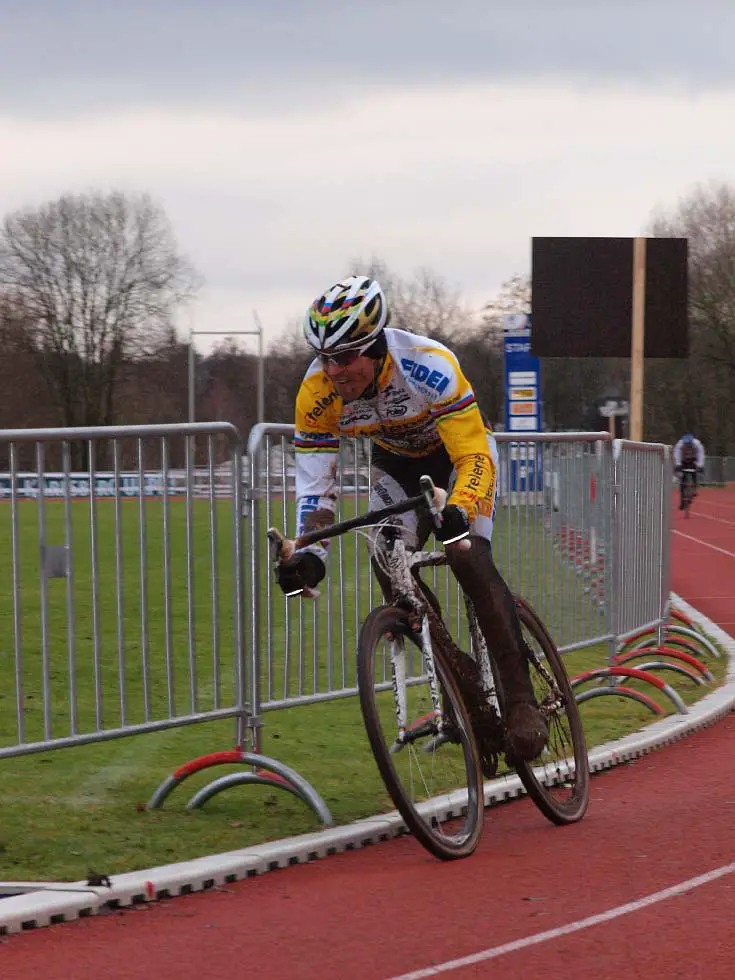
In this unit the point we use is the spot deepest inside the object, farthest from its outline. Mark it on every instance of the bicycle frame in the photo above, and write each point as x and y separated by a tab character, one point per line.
461	707
406	594
688	473
400	565
687	479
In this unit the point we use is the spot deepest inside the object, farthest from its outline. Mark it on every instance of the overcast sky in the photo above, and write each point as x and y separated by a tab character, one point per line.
285	138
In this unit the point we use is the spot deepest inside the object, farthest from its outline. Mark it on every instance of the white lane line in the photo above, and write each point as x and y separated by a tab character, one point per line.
714	502
699	598
705	543
717	520
593	920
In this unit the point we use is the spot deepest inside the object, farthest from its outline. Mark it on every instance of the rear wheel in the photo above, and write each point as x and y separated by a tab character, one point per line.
430	766
558	781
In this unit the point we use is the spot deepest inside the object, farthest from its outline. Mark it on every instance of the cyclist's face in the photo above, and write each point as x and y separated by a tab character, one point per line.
350	376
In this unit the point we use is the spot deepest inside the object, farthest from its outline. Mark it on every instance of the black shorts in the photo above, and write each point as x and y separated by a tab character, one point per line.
406	470
395	478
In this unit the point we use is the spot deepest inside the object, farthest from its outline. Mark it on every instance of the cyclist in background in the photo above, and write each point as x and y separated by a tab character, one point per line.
407	394
688	463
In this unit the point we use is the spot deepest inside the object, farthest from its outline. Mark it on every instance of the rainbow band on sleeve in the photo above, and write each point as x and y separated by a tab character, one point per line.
458	408
325	444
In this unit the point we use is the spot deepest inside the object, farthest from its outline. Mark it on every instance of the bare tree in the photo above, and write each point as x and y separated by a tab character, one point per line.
154	388
514	297
572	388
424	304
24	404
707	219
691	394
285	367
99	277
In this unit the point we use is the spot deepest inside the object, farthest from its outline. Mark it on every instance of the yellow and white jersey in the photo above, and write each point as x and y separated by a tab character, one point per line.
421	401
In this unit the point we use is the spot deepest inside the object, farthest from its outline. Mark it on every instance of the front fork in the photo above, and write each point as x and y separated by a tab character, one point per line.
399	678
428	655
402	585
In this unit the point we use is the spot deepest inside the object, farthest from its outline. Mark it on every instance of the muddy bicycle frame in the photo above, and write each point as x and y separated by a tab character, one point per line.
401	565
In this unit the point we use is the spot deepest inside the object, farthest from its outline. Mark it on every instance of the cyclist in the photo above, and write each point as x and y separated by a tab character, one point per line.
688	460
407	394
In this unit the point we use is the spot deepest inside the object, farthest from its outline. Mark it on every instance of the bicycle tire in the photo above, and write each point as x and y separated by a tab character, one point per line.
687	492
392	620
539	784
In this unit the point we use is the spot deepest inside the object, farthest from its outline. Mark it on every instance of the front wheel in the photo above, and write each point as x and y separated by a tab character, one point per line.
558	781
687	492
429	762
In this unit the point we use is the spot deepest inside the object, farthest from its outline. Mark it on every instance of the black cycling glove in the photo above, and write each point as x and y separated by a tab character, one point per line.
304	570
455	524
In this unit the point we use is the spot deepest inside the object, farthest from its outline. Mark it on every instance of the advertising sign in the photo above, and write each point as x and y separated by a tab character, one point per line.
522	402
27	484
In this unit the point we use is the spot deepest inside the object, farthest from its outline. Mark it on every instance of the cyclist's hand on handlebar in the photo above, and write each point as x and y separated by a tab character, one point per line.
300	574
451	524
455	526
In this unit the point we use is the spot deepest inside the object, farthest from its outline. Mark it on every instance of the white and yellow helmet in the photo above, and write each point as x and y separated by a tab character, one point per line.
349	315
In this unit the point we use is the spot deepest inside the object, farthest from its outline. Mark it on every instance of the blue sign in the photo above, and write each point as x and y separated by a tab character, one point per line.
522	402
526	466
522	376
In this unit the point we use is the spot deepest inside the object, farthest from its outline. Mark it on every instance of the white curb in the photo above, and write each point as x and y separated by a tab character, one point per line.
45	903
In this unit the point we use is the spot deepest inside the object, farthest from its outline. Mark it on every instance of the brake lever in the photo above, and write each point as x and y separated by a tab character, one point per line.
430	494
426	485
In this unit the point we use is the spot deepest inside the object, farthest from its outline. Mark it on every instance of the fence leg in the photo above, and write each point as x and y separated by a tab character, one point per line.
266	771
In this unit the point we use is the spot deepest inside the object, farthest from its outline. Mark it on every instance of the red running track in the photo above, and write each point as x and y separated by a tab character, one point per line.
390	910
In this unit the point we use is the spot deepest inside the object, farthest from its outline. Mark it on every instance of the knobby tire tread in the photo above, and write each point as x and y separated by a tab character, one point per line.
557	811
391	619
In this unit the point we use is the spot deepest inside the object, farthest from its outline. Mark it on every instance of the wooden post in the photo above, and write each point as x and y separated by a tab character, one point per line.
637	340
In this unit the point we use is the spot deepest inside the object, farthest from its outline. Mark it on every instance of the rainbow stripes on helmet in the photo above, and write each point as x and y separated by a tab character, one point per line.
348	316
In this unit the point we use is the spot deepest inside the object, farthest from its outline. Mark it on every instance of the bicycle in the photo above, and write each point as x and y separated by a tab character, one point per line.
424	725
688	487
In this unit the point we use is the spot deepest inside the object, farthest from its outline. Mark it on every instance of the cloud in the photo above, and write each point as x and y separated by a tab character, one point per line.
73	58
456	178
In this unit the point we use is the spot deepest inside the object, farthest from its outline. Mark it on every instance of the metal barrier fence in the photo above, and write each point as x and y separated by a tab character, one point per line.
642	520
719	470
80	570
124	596
568	515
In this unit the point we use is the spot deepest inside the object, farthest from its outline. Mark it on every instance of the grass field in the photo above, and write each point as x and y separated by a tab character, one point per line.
64	812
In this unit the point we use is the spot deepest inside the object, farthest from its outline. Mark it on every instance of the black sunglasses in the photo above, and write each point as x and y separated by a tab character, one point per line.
344	359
